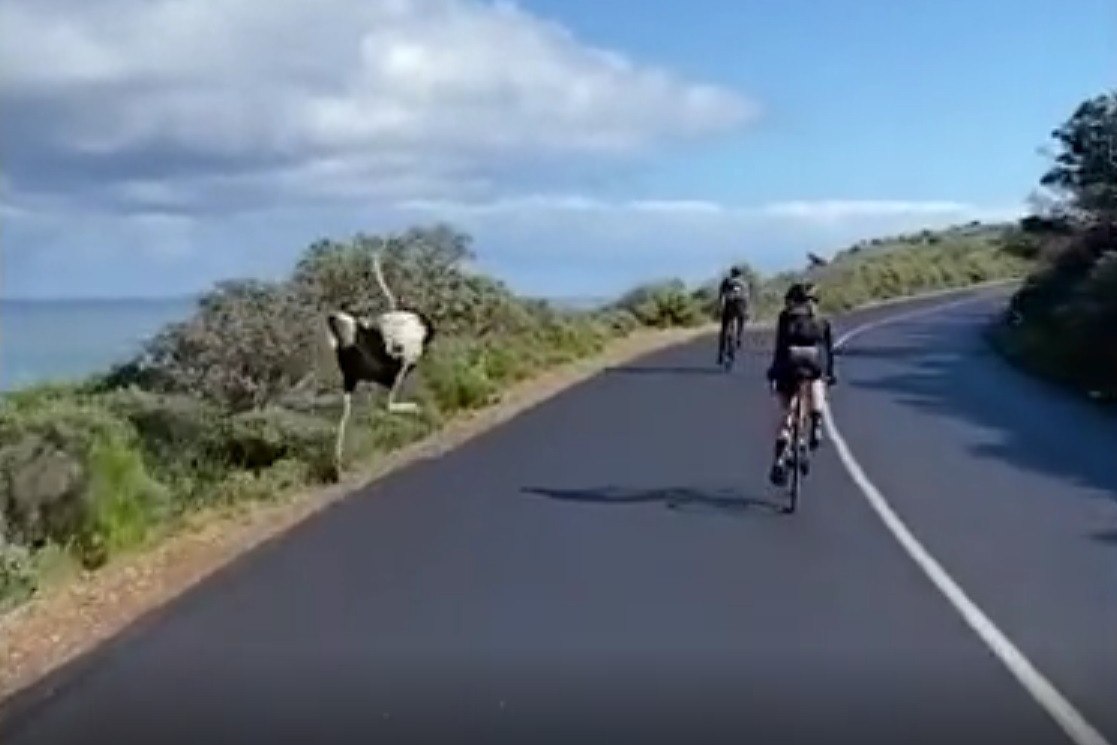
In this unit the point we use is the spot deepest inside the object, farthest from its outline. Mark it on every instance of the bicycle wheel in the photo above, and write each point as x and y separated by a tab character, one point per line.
729	346
800	459
793	457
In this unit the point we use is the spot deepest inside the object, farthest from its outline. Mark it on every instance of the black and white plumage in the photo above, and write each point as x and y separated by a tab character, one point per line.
382	350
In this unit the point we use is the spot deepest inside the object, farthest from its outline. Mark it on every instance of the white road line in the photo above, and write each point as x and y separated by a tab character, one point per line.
925	311
1041	689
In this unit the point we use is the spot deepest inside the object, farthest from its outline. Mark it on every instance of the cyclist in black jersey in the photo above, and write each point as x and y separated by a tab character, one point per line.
800	333
733	306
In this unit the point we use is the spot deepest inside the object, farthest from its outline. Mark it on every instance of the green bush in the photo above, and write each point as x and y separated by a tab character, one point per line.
457	377
943	264
663	304
258	439
175	429
125	502
72	472
46	447
619	321
18	579
569	339
249	343
1064	315
278	480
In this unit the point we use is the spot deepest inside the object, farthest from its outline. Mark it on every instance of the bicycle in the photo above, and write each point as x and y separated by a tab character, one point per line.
798	459
727	349
729	342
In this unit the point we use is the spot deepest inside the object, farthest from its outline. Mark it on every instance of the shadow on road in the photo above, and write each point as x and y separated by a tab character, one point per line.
949	370
746	360
676	498
711	369
1106	536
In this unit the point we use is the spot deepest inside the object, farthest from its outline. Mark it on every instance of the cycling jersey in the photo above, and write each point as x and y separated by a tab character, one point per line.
734	290
799	334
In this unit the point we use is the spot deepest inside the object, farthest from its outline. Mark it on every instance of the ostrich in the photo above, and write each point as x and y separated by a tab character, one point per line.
382	350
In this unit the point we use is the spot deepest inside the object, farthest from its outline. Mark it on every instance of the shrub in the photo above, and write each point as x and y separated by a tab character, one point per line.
71	472
259	439
249	342
173	428
456	375
620	321
45	448
125	502
18	580
276	481
662	305
1063	317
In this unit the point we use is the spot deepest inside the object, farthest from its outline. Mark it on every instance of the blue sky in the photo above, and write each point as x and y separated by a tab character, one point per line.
152	148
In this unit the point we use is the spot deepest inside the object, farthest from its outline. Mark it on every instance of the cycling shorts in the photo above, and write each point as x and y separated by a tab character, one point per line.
803	363
734	309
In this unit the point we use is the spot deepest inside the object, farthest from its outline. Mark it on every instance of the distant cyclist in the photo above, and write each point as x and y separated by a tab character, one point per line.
801	337
733	306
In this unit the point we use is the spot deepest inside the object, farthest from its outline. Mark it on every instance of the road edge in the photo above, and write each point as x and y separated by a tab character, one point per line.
996	337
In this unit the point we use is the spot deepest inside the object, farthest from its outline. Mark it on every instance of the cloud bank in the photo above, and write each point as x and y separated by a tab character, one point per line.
228	104
157	145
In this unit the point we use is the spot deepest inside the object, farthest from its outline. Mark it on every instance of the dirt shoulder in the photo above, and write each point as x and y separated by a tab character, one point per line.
68	618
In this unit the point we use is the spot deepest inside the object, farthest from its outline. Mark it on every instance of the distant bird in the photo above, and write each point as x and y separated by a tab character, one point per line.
816	260
383	350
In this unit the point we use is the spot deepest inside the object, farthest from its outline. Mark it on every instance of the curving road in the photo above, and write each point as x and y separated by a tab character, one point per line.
613	564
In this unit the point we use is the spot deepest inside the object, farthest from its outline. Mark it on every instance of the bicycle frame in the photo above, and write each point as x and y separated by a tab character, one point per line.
796	411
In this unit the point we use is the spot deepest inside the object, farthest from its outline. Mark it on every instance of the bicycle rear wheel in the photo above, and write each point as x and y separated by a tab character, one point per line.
727	344
730	345
798	453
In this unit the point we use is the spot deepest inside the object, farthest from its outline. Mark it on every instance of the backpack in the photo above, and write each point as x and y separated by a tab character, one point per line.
735	289
803	329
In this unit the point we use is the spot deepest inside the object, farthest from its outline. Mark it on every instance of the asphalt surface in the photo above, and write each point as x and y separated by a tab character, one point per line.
613	567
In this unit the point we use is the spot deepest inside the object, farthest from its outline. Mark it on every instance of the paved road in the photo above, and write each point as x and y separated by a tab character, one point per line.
613	564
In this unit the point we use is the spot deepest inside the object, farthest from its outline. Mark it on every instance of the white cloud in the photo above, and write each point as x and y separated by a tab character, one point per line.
335	99
825	212
831	210
687	237
567	245
137	131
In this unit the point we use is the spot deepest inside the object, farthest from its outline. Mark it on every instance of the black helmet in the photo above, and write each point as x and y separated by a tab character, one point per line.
734	271
799	293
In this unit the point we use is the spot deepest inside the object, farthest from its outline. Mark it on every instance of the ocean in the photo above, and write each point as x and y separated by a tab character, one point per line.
61	340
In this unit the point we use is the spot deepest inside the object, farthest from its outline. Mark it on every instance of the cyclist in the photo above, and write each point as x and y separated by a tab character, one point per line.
800	331
733	305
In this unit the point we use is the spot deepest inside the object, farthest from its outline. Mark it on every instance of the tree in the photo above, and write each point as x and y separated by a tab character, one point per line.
248	343
1085	168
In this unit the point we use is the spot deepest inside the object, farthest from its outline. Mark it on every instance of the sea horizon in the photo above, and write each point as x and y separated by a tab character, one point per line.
61	340
68	339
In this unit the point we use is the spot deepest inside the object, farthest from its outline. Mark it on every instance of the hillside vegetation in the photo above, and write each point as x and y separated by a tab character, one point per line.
1062	323
908	265
239	403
